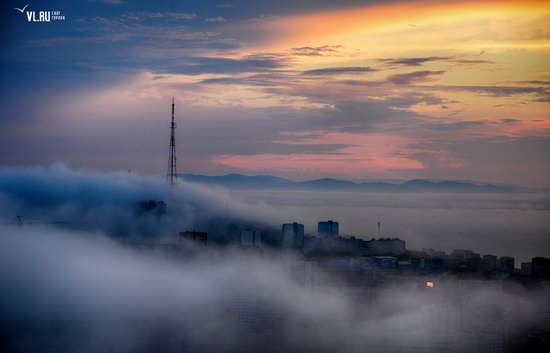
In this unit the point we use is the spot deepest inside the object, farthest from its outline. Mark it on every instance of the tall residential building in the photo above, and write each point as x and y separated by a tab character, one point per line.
328	229
541	267
489	263
506	264
194	239
293	235
251	237
526	269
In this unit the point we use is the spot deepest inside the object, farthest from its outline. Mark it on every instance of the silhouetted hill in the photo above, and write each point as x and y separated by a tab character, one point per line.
325	184
238	180
271	182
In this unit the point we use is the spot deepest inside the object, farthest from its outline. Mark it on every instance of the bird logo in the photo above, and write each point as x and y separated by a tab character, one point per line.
21	10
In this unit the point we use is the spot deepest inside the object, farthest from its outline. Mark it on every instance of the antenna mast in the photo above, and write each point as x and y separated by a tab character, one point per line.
171	175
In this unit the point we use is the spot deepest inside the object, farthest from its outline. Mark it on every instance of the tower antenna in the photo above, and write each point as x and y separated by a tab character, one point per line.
171	175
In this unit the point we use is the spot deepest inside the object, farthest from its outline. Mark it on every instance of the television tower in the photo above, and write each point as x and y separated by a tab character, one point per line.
171	175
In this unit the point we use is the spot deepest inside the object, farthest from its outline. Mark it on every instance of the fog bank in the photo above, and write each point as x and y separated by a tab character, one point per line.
64	291
110	203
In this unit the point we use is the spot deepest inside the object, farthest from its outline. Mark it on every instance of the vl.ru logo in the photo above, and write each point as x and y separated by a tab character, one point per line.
41	16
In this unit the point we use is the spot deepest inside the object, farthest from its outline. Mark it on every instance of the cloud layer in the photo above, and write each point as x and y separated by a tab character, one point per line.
113	204
71	291
249	78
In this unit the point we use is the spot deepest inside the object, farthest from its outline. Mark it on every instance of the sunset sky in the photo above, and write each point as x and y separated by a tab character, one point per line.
300	89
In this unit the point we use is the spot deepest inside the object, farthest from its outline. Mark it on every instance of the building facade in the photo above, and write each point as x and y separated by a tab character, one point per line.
293	235
328	229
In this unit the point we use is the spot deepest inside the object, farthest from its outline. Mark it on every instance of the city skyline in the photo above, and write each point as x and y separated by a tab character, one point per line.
303	90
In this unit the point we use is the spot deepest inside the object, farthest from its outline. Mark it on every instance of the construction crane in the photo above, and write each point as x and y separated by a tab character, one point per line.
20	221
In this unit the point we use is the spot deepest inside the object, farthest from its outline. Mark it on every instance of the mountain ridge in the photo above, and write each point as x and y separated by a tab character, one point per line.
415	185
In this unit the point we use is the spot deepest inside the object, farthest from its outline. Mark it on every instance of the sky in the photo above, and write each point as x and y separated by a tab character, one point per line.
300	89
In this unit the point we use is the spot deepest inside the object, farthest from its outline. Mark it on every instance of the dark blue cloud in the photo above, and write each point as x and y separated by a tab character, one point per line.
414	77
418	61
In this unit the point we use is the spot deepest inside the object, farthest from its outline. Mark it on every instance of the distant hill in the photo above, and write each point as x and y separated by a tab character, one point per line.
238	180
271	182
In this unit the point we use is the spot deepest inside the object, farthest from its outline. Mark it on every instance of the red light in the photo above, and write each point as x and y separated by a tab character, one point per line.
430	284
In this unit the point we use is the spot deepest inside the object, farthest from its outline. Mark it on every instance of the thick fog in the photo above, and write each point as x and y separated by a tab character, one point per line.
515	224
118	203
504	224
71	281
64	291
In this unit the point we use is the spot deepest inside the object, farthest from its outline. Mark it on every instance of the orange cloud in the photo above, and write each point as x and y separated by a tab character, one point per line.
346	27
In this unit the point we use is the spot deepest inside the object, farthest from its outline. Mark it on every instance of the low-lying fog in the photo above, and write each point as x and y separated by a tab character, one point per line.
66	291
75	287
512	224
515	225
